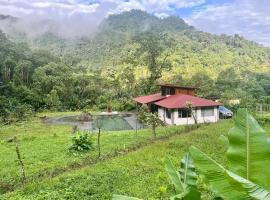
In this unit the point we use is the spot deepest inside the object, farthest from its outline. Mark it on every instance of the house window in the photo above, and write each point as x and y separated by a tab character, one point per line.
184	113
168	113
167	91
207	112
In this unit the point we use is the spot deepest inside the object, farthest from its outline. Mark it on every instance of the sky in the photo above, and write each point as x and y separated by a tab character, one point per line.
249	18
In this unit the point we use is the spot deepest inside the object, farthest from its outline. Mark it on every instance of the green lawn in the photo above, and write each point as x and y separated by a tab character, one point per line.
45	154
138	173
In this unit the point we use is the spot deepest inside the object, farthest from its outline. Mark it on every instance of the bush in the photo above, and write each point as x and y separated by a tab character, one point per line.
81	142
12	111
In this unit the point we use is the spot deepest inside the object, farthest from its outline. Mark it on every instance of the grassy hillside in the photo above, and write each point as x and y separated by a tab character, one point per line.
127	174
140	173
44	149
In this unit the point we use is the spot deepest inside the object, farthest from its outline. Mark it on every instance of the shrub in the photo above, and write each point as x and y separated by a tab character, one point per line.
81	142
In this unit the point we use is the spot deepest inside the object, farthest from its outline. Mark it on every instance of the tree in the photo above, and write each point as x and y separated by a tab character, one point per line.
204	83
155	49
52	100
153	121
190	108
150	119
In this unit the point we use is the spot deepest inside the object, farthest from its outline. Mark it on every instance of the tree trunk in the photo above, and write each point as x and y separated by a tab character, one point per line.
99	152
195	119
154	132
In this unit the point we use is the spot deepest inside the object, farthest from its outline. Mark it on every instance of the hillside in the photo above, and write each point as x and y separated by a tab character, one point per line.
131	51
193	48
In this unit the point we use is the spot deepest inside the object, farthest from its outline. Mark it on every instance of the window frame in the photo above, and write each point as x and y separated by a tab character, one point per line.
186	111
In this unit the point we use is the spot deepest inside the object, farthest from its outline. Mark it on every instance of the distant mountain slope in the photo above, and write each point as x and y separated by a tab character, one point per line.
193	49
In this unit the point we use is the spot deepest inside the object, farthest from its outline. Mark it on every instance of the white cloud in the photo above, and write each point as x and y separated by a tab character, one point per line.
248	18
156	6
80	17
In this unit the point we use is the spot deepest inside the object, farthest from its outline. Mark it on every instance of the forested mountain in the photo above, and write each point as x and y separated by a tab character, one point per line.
128	54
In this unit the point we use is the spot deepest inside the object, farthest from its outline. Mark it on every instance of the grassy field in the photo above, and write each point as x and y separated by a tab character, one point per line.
137	173
44	149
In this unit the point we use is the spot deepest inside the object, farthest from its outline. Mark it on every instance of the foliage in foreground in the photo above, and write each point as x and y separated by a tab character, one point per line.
184	180
247	175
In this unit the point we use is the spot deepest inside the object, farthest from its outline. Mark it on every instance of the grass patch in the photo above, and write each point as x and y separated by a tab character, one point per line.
140	173
44	149
131	163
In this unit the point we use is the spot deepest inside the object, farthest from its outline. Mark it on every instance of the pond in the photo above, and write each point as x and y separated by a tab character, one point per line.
118	122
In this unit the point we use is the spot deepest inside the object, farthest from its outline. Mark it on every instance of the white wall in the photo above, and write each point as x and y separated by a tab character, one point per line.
162	116
183	121
209	119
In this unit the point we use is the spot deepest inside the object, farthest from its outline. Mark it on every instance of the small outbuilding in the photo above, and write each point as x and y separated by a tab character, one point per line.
179	105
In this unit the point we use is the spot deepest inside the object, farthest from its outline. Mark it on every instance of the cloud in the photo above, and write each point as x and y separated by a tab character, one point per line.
248	18
71	18
68	18
157	6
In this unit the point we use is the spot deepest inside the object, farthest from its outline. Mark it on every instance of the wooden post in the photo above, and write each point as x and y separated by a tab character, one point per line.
20	159
99	153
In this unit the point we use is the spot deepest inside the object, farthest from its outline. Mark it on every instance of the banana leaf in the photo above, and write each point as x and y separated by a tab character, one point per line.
187	171
174	176
184	181
191	193
249	150
216	176
253	189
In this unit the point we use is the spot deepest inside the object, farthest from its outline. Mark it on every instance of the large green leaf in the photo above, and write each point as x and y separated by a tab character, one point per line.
249	150
191	193
184	181
217	178
174	176
187	171
121	197
254	190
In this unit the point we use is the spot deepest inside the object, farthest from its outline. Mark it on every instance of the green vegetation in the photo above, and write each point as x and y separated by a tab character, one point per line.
45	155
45	149
149	119
130	53
81	142
247	174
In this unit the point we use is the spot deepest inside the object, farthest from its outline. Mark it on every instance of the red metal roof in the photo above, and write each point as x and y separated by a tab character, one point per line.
149	98
180	101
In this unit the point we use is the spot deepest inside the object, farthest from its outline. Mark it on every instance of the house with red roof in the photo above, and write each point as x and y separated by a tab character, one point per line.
173	103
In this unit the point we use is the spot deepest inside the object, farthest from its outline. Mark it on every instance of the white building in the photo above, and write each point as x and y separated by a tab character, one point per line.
171	105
